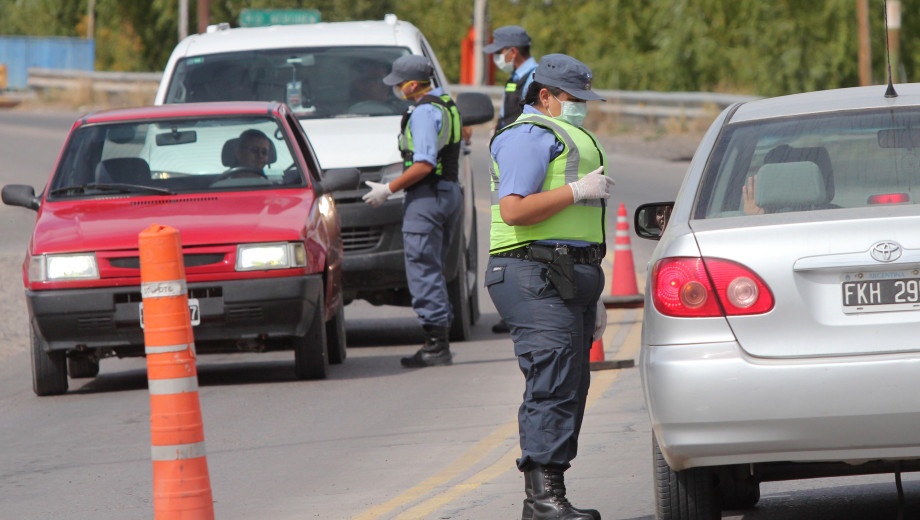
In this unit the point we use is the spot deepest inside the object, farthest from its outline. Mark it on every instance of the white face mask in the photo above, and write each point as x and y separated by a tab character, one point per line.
505	66
572	112
398	92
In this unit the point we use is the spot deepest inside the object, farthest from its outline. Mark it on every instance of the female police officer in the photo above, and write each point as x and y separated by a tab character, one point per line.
547	241
429	141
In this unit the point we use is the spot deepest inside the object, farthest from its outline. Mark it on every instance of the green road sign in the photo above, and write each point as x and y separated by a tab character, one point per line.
263	17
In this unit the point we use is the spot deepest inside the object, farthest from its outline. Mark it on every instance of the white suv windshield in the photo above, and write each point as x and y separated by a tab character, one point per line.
318	82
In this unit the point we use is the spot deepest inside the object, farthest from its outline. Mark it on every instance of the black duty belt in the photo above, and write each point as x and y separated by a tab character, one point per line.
430	180
592	254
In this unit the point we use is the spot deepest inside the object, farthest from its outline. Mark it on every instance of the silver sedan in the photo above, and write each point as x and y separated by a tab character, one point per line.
781	336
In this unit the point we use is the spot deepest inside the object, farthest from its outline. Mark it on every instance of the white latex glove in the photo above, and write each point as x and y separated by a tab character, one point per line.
378	194
600	320
594	185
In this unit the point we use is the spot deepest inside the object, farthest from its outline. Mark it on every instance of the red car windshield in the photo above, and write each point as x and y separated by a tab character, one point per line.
175	156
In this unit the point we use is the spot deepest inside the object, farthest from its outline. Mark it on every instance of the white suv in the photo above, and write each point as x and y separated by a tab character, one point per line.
330	75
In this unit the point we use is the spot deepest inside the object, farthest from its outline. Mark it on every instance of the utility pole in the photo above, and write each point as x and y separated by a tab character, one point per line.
865	56
91	20
479	24
893	26
204	15
183	19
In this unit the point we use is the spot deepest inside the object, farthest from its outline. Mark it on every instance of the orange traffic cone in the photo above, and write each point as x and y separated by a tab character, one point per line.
597	351
623	289
181	486
597	361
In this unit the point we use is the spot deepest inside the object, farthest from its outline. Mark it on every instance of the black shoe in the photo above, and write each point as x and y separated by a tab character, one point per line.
528	511
501	327
545	490
422	359
595	514
435	351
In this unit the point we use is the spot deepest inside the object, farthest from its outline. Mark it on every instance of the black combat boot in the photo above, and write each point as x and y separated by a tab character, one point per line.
435	351
545	490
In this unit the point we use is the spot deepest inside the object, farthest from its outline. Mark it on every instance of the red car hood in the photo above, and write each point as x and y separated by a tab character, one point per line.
202	219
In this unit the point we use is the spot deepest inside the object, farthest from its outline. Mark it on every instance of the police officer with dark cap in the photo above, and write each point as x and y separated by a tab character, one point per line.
429	141
544	276
510	49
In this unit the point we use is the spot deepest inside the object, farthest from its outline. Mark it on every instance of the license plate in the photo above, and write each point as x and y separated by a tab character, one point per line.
193	310
881	295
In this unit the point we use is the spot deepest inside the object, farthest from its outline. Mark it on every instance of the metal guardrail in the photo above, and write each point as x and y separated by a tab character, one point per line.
647	105
103	82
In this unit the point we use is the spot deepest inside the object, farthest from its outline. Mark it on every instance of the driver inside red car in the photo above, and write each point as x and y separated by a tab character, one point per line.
253	149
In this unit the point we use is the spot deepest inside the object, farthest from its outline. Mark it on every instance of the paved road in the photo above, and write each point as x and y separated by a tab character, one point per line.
373	441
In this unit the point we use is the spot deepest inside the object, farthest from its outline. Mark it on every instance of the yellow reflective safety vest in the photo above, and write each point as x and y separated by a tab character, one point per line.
584	220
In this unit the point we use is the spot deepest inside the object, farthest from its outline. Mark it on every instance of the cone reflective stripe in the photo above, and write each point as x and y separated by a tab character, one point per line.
624	292
181	485
169	348
172	386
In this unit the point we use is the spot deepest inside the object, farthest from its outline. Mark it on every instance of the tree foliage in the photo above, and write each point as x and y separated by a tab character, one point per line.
739	46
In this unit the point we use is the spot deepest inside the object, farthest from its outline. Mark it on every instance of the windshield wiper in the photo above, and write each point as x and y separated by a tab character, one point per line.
121	188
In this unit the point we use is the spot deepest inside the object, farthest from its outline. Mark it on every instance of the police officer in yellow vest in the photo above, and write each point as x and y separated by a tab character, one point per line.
544	275
429	141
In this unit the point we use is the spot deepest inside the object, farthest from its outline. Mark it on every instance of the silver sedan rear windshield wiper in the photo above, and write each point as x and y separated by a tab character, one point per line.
122	188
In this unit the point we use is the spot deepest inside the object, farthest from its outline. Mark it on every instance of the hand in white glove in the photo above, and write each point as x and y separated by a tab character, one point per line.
378	194
600	320
594	185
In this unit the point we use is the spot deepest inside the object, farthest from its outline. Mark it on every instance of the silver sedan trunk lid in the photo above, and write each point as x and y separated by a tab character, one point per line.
845	282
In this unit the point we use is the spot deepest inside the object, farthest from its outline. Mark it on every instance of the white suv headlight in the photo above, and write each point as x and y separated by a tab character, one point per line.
278	255
55	268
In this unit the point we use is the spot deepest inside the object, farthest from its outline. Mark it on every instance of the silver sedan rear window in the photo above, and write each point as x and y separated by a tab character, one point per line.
845	160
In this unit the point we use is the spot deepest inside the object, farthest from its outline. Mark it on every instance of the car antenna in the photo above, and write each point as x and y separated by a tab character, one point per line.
890	93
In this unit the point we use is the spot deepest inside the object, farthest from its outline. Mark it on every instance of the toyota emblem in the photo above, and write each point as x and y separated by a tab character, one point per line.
886	251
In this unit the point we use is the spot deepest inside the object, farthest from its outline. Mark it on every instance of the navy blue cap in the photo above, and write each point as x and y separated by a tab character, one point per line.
408	68
567	73
507	36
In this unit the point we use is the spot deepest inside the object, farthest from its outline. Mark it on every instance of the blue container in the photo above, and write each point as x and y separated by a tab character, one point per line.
19	53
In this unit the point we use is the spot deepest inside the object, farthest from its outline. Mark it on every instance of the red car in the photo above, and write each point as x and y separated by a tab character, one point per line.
259	230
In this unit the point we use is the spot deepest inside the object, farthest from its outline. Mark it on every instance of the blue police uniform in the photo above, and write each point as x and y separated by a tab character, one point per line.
431	208
552	317
552	337
429	136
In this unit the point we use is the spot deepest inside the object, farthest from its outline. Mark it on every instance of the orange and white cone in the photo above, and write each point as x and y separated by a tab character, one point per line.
181	485
624	292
